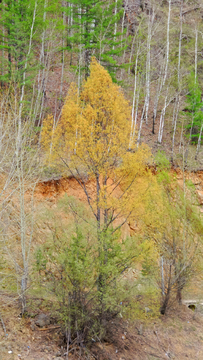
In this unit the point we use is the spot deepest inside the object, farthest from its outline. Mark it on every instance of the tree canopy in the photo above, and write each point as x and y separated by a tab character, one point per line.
93	136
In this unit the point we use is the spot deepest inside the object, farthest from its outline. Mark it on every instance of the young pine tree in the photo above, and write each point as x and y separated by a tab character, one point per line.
69	265
15	23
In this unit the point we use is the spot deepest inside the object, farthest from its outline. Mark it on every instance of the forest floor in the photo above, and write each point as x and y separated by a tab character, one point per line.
178	335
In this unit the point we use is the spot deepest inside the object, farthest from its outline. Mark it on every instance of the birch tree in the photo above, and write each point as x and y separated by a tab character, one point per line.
161	123
148	61
177	102
22	169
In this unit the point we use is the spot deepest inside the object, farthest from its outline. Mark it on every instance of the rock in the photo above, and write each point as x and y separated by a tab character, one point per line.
42	320
140	330
170	355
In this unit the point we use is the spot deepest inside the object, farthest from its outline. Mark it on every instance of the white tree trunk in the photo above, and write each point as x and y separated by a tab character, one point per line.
162	276
190	136
162	119
161	126
196	40
133	124
199	142
180	41
41	74
167	42
148	63
177	102
20	174
115	25
141	123
63	60
176	111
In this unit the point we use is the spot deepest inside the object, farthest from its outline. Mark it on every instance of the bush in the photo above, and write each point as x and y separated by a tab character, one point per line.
83	275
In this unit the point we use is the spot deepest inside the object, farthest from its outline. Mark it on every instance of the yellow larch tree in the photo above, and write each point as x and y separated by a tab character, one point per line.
92	137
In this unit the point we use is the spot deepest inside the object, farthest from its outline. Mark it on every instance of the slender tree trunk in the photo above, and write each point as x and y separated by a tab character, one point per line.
157	96
166	296
70	24
191	129
134	98
167	42
196	41
149	37
177	102
136	113
123	58
162	276
9	56
3	326
180	41
98	206
131	52
80	50
115	25
141	123
162	118
63	59
189	140
179	292
165	74
199	142
181	138
2	54
176	111
41	90
20	173
123	21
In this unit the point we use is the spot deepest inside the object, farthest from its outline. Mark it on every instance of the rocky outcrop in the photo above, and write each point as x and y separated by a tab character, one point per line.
42	320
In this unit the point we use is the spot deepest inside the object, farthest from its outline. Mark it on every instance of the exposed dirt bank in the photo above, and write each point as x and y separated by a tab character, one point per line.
53	189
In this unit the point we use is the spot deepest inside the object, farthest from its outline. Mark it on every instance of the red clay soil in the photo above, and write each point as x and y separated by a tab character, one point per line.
56	188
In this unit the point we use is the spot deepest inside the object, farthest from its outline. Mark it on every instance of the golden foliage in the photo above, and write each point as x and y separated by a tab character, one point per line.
94	133
95	124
